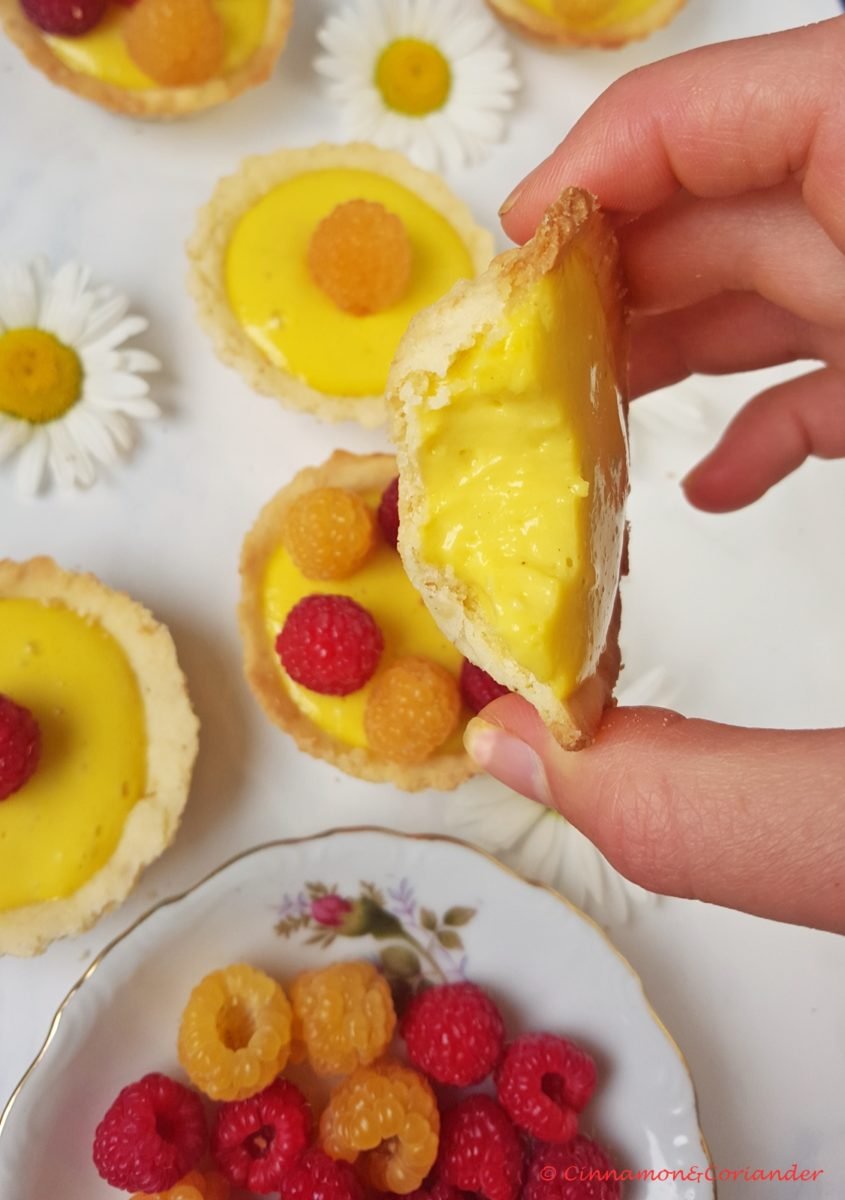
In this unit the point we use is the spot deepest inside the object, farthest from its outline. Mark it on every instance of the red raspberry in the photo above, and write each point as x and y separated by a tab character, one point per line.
388	512
255	1141
318	1177
330	645
153	1134
543	1082
555	1173
69	18
20	746
480	1151
478	688
454	1033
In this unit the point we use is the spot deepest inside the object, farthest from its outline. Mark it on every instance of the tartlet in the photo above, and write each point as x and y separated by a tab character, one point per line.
255	294
605	24
118	743
142	97
507	406
271	585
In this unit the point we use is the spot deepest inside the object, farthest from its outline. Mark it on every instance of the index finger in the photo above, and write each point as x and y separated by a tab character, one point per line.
716	121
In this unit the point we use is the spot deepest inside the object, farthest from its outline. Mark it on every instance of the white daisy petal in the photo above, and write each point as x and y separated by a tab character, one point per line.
104	318
121	332
481	65
13	435
19	301
32	462
92	433
96	323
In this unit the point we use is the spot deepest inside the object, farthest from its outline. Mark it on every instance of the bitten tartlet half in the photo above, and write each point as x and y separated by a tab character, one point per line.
118	740
334	728
604	24
507	410
96	65
258	240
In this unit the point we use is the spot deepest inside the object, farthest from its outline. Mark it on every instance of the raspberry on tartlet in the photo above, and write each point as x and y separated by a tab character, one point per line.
330	644
20	746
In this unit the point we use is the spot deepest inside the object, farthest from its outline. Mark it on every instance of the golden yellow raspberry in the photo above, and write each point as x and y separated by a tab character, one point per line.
329	532
360	255
176	42
343	1015
197	1185
386	1118
235	1034
411	710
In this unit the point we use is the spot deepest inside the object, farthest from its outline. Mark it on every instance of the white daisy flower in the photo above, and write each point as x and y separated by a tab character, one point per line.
70	391
543	846
422	76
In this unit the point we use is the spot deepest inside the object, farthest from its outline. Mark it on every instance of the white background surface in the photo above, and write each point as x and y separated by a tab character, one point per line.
744	611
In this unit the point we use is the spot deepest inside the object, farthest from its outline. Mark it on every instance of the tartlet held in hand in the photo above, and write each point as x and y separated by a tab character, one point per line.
97	745
339	648
507	407
151	58
307	266
602	23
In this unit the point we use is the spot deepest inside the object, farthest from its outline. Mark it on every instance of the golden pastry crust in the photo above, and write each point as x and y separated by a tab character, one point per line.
433	340
156	103
362	473
172	737
216	223
526	19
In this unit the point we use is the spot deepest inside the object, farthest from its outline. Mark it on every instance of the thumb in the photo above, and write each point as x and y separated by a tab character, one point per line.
749	818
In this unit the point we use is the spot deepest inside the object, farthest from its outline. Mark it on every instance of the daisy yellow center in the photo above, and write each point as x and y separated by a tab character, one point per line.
413	77
40	377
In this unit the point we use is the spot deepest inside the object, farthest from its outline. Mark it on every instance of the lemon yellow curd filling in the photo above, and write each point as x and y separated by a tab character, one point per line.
516	475
592	14
382	587
65	823
286	314
103	53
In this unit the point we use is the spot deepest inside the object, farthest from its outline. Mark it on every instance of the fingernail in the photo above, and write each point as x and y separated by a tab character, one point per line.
512	199
509	759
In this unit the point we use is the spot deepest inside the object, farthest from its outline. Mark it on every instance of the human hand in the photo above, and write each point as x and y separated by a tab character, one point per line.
724	171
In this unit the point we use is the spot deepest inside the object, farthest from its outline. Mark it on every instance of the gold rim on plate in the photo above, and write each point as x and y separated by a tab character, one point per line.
321	837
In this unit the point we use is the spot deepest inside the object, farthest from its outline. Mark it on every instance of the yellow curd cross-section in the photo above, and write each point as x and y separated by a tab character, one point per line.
66	822
382	587
291	320
515	477
102	53
589	15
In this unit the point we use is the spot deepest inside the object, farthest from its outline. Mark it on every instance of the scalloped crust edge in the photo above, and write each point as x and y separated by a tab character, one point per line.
433	340
216	223
172	740
156	103
532	23
369	472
